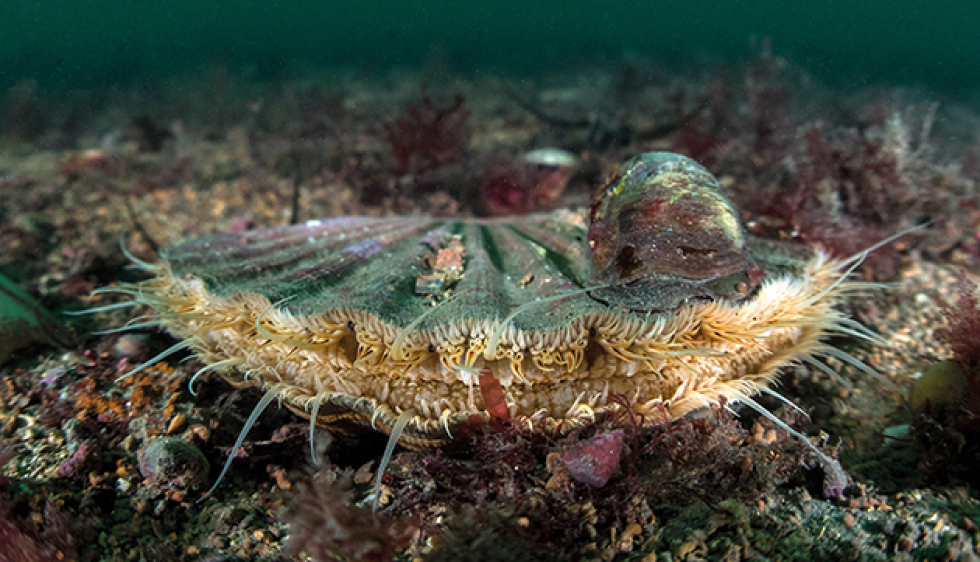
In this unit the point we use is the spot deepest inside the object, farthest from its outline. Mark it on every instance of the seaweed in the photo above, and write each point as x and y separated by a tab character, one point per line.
54	534
521	478
327	526
945	400
962	333
430	134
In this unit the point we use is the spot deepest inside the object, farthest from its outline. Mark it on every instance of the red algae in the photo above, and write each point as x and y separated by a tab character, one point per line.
327	527
430	134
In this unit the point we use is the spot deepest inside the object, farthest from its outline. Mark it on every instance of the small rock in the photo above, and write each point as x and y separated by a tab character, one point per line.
132	346
593	461
625	542
177	424
130	444
140	505
172	461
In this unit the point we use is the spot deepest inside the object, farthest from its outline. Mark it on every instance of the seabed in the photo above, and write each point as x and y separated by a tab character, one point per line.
845	168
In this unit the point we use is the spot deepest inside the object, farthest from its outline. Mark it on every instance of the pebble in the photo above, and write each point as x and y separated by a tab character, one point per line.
593	461
132	346
172	461
177	424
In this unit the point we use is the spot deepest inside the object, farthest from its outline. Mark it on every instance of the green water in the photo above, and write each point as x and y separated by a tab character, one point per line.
72	42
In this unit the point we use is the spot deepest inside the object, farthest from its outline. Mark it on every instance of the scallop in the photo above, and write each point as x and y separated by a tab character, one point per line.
655	293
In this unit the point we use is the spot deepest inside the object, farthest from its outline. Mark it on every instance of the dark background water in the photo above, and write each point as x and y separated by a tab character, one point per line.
71	42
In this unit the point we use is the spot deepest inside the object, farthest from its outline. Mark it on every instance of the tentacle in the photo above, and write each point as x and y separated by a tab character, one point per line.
863	254
270	395
861	331
785	427
784	400
494	341
127	327
313	413
258	321
861	365
396	432
181	345
231	362
98	309
117	289
398	346
145	266
814	362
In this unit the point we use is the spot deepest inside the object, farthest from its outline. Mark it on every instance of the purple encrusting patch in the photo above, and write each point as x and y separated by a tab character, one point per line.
363	249
53	375
358	250
593	461
83	458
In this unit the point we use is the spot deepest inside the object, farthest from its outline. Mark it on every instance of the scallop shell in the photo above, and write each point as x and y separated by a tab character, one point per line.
654	293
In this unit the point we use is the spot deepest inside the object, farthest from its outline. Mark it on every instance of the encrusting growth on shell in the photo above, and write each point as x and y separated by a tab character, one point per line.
328	312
